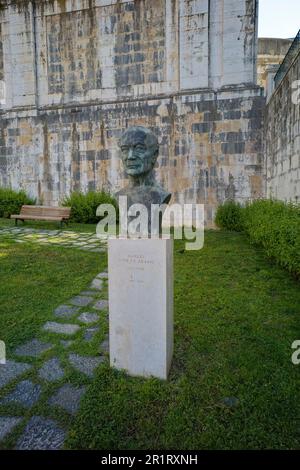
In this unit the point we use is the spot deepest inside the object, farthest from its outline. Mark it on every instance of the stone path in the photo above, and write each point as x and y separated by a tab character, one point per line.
40	393
79	240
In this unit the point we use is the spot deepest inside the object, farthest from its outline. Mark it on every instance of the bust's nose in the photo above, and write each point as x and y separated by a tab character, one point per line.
130	154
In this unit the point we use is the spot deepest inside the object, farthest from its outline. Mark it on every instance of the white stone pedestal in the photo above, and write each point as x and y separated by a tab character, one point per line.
140	273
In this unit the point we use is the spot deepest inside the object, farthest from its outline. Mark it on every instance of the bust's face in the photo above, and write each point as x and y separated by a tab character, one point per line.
138	154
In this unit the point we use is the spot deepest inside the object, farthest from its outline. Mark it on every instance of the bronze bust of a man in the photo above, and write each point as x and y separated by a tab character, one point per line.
139	147
139	151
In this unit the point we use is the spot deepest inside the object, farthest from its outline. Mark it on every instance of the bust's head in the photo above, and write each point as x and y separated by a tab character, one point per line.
139	148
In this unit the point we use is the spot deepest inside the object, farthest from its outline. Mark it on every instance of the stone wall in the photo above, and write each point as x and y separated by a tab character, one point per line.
271	52
78	72
282	153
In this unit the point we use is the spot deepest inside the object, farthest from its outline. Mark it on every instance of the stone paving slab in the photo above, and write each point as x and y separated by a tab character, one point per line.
85	364
90	333
88	318
11	370
81	301
7	424
26	394
51	371
66	311
61	328
41	434
33	348
96	284
103	275
77	240
68	397
101	304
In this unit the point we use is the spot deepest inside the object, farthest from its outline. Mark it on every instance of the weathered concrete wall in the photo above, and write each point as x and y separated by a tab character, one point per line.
1	56
87	50
210	147
282	124
78	72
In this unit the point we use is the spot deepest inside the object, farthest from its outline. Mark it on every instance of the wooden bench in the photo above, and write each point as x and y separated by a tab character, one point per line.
55	214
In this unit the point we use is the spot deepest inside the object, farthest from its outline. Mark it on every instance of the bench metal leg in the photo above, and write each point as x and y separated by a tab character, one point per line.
62	222
16	221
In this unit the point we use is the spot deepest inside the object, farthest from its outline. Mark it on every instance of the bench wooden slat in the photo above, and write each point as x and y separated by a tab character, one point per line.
43	210
36	217
27	206
43	213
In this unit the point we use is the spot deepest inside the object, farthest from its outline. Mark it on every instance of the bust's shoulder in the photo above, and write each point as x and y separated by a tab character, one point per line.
160	195
154	194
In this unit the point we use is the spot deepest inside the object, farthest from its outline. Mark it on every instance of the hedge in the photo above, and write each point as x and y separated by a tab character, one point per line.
11	201
274	225
229	216
84	205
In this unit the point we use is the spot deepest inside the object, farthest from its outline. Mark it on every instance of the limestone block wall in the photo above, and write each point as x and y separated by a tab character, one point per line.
282	128
65	51
210	147
78	72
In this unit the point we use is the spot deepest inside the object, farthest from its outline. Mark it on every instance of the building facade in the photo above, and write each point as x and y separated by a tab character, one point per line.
271	52
282	136
76	73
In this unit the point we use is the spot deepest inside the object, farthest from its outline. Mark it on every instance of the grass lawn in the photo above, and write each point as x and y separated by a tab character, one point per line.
232	384
236	316
34	280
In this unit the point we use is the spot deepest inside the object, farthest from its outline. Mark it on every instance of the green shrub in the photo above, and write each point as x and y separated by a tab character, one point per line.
275	226
11	201
84	206
229	216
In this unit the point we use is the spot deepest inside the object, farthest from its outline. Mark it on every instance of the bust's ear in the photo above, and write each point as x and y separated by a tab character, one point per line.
155	155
